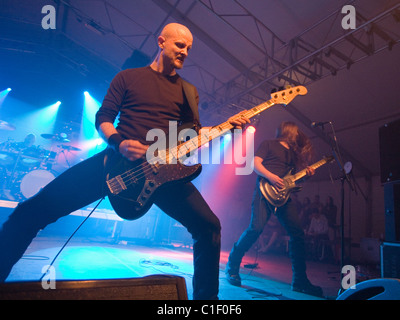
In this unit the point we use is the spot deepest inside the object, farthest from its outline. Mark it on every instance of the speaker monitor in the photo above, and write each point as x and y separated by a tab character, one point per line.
392	212
390	260
375	289
389	148
157	287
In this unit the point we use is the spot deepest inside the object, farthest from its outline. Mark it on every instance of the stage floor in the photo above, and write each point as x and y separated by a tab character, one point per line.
84	259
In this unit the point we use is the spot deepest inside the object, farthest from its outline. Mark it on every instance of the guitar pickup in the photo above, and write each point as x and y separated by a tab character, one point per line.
116	185
154	168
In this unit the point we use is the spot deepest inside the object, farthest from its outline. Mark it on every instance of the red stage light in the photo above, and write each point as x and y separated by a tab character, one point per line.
251	129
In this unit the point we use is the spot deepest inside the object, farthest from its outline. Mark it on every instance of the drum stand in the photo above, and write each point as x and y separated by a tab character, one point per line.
65	157
11	180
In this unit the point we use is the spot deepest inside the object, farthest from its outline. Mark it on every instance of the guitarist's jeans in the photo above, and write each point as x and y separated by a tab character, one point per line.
288	217
85	183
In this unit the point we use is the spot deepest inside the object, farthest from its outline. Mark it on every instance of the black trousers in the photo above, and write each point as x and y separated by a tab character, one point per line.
83	184
288	217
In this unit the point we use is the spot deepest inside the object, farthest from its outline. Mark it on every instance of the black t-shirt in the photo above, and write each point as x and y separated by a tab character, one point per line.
144	99
276	158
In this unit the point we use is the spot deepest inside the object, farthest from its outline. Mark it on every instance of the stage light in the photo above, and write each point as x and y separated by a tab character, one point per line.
89	135
41	120
90	108
227	137
47	116
3	95
52	109
251	129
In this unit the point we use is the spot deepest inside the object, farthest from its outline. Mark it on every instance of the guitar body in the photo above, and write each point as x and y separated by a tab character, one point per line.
278	197
132	184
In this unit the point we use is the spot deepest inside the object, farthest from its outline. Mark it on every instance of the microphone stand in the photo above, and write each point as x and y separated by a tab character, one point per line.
344	177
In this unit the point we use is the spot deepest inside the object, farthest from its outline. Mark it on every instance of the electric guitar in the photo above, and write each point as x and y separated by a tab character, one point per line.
131	184
278	197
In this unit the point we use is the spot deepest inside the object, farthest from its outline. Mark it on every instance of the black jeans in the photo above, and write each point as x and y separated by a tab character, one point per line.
288	217
83	184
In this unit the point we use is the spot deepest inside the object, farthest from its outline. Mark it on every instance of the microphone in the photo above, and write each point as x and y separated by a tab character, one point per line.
319	124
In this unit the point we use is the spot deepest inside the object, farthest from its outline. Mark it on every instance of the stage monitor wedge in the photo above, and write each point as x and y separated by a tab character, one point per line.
156	287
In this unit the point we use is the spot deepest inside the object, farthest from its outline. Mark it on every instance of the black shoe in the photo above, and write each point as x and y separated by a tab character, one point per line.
307	287
234	279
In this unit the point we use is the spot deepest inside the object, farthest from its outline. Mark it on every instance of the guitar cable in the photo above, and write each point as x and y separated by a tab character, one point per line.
69	239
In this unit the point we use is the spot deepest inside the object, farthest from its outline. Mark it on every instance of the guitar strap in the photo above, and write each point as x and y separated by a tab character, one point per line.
191	93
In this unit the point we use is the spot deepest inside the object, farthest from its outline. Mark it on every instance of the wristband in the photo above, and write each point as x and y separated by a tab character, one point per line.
114	141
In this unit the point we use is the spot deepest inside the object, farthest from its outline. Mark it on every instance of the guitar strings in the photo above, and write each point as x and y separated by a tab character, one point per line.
130	176
135	173
141	170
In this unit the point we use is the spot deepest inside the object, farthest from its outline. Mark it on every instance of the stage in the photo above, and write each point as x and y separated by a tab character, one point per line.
84	259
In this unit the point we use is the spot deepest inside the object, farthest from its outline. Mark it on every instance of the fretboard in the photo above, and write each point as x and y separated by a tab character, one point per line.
314	166
217	131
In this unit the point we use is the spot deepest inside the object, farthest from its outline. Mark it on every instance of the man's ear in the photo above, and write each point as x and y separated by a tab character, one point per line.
161	41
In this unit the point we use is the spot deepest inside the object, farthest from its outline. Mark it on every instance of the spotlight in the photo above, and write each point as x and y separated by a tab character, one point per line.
227	137
251	129
8	89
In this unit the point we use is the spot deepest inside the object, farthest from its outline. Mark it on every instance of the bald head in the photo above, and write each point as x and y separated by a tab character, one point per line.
174	30
175	41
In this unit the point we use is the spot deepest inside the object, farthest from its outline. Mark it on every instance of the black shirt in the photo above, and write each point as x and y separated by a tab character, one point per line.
276	158
145	99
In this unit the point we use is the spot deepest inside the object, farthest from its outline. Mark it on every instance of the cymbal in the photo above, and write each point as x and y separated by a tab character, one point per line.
48	136
4	125
57	137
69	148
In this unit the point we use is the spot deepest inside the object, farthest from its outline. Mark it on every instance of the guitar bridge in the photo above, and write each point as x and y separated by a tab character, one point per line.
116	185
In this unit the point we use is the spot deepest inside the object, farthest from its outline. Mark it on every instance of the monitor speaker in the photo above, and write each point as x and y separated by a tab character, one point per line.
375	289
389	148
392	211
390	260
156	287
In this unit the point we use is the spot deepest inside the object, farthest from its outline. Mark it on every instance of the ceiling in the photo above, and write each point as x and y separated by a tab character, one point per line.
242	50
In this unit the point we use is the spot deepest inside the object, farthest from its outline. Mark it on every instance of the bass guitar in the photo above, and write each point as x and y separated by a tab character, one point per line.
278	197
131	185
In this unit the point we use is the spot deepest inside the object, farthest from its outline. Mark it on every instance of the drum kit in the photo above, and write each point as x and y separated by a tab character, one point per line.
24	170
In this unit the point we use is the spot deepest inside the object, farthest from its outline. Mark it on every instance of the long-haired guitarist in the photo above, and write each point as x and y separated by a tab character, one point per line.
273	160
144	98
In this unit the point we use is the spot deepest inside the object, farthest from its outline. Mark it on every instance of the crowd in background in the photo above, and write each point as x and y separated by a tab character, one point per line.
319	223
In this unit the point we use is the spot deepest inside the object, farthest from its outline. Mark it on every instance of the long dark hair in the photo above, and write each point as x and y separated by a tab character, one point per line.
290	133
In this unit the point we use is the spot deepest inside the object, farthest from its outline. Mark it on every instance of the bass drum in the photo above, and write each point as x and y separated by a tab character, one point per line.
34	181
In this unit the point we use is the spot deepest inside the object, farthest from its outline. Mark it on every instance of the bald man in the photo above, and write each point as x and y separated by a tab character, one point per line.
144	98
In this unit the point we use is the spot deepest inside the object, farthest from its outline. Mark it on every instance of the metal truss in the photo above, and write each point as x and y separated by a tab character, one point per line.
300	61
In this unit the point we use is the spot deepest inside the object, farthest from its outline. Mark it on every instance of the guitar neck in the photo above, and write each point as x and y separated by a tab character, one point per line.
314	166
217	131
